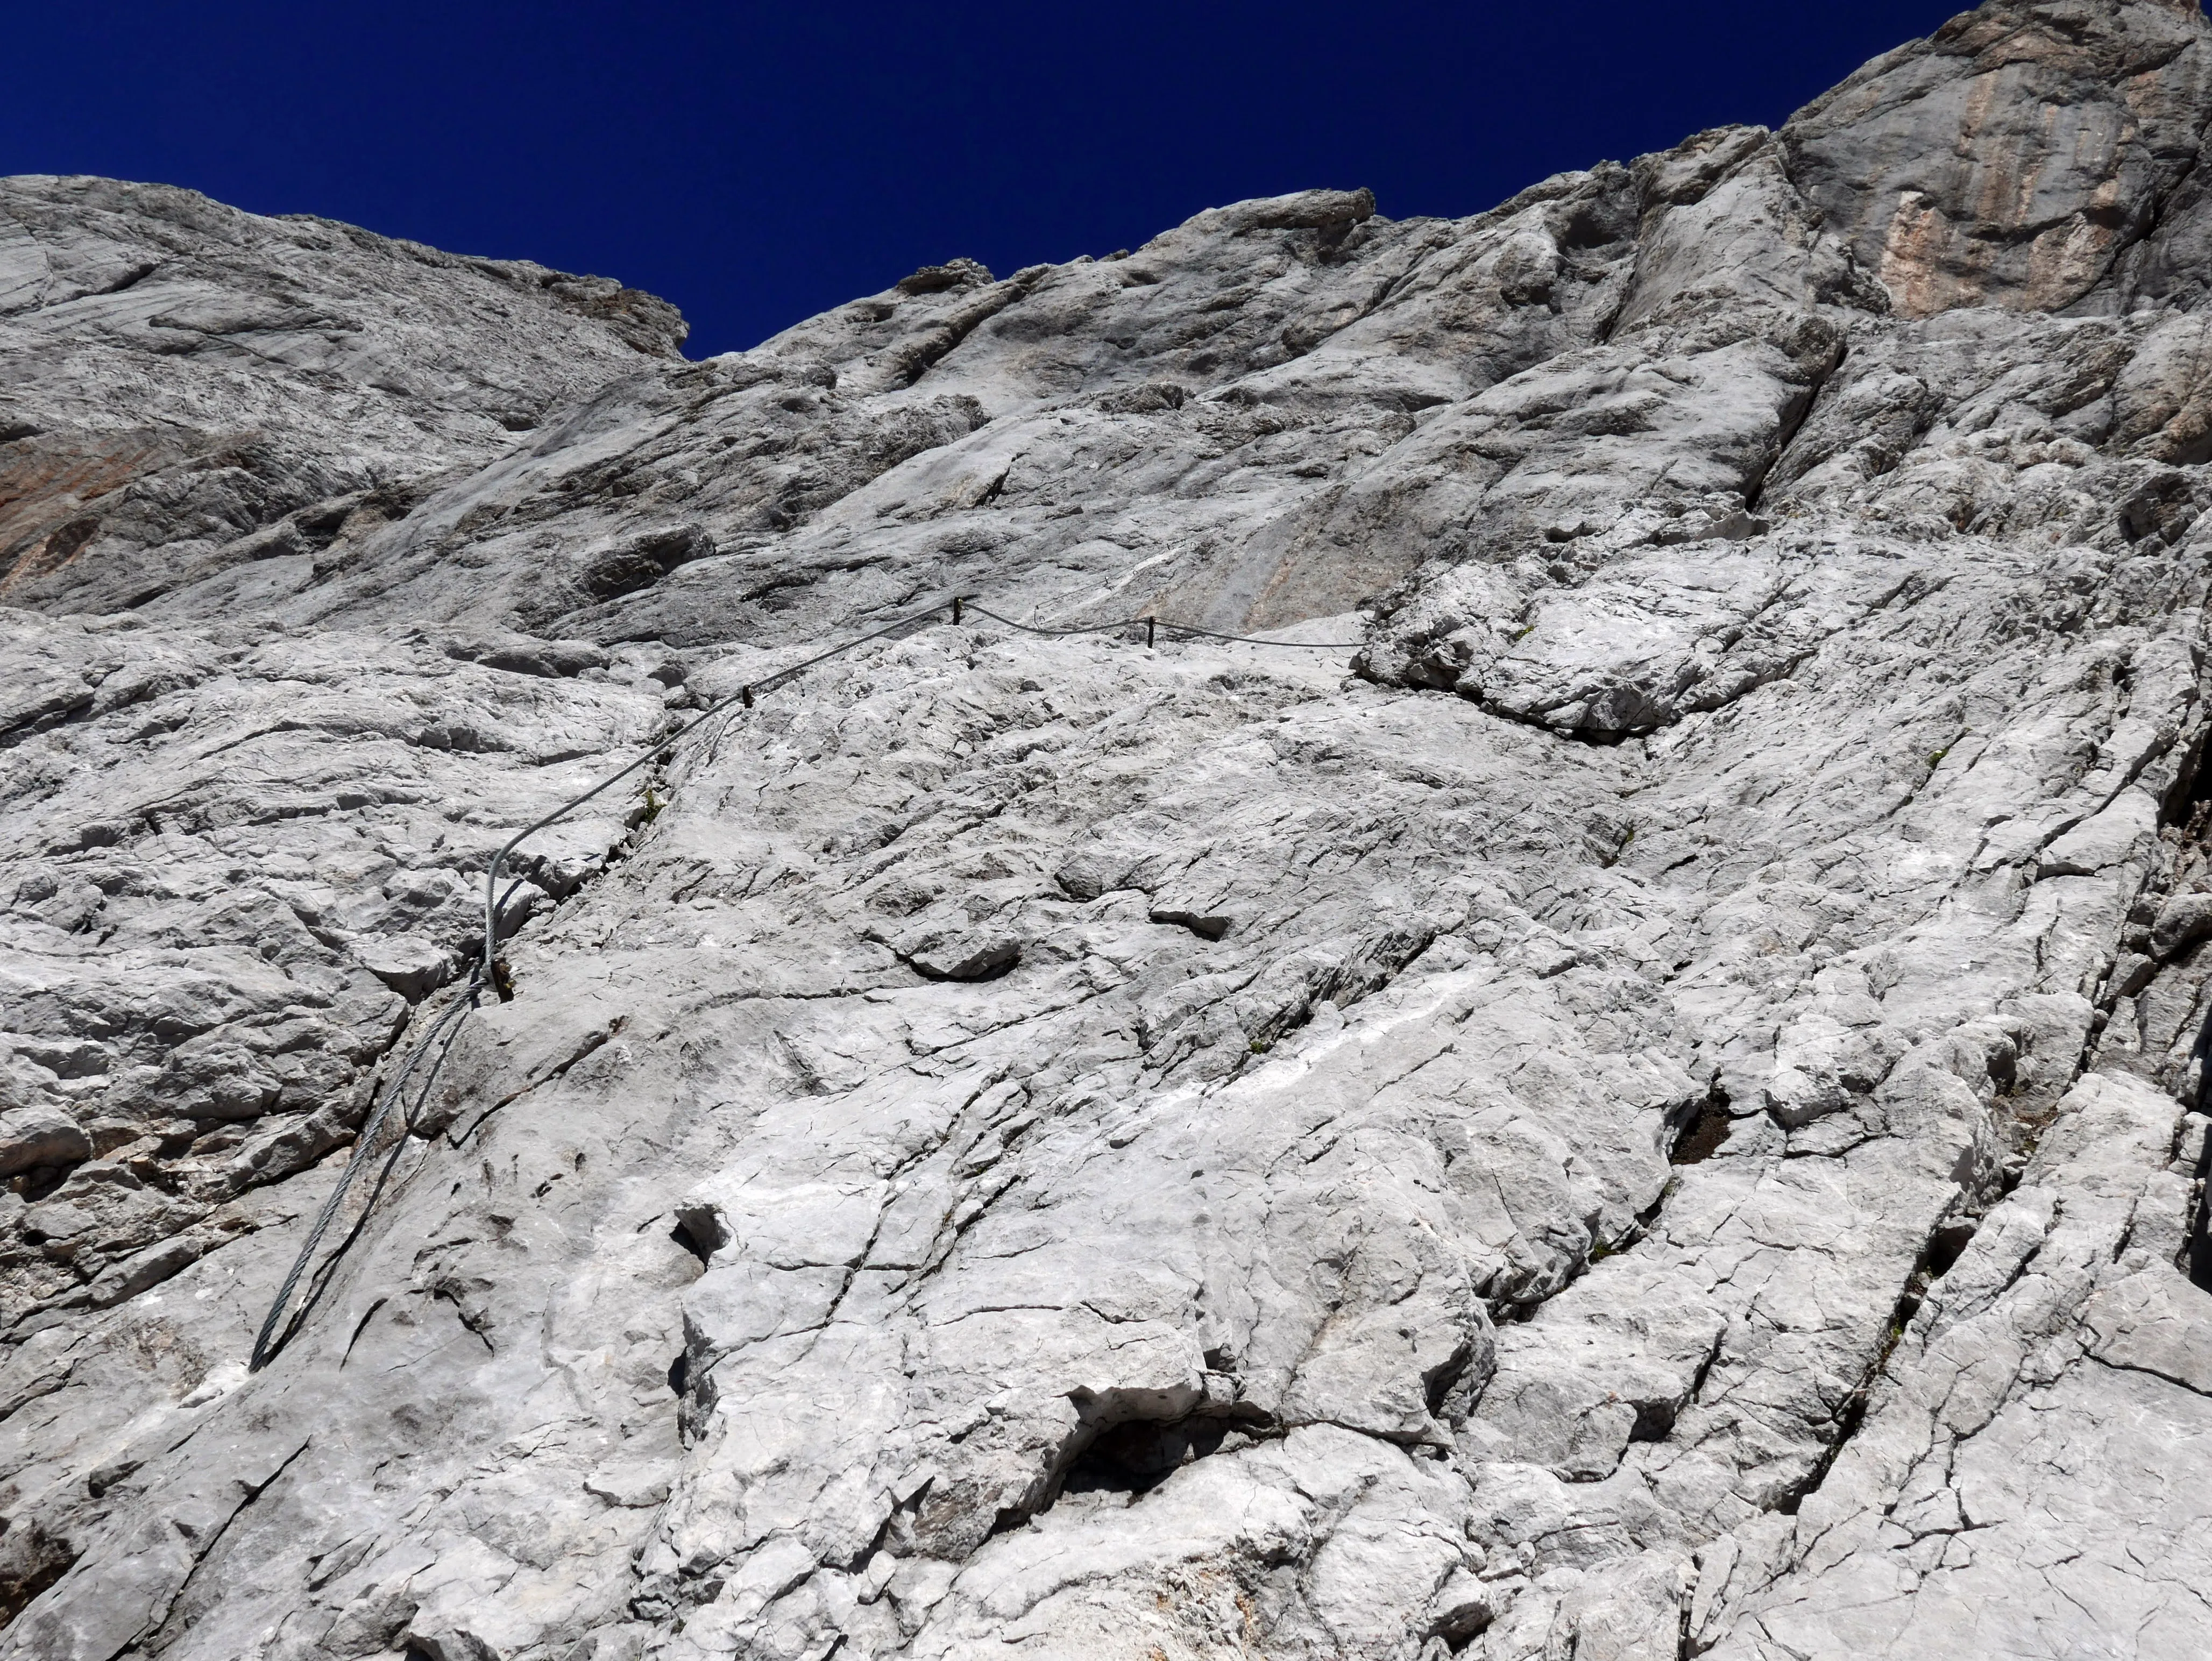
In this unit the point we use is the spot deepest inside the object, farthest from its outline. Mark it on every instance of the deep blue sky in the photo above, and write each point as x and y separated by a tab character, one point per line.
756	164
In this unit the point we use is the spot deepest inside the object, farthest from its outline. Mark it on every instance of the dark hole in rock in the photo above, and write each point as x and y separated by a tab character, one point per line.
1586	226
103	1477
1655	1422
1942	1250
700	1231
684	1238
2185	800
965	957
1205	926
321	524
1138	1457
2004	1073
1133	1457
1442	1381
696	1396
1703	1137
1947	1243
40	1181
1460	1628
2200	783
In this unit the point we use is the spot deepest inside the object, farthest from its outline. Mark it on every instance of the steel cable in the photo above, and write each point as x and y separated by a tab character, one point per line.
446	1027
1149	623
745	695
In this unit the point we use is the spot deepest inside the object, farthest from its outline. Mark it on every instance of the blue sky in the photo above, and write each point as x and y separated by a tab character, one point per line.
756	164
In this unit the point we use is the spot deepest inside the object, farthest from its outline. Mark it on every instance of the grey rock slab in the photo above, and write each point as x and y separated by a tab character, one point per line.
2058	1366
1623	1082
228	876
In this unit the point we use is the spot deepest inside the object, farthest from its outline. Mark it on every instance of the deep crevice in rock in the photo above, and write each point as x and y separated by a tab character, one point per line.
1446	1387
1791	429
40	1181
1513	1311
1596	738
1944	1244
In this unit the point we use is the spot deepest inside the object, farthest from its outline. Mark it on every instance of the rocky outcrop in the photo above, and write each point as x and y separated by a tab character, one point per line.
2025	155
1621	1086
189	389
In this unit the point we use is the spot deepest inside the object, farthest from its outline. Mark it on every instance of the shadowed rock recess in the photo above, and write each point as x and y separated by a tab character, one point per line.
1646	1111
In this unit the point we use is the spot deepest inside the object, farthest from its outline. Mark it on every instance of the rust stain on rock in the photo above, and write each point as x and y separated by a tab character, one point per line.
48	485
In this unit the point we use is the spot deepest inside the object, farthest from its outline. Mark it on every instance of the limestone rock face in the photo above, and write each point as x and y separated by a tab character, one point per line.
1623	1082
185	388
2016	155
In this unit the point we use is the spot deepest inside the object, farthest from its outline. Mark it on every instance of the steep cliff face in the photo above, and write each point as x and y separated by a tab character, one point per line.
1623	1088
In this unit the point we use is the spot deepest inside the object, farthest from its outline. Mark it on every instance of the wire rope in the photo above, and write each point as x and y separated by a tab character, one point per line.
447	1024
1173	628
446	1029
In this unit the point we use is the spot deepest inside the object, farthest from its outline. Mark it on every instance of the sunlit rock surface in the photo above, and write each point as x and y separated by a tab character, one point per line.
1623	1091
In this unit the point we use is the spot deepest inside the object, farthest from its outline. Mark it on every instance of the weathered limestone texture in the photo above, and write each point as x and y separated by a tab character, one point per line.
1637	1101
